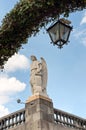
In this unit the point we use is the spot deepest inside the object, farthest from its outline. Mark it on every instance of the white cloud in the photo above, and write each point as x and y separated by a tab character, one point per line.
84	41
4	99
3	111
10	85
80	34
16	62
83	21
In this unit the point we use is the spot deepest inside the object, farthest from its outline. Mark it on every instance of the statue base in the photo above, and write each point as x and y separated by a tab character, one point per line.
39	113
38	96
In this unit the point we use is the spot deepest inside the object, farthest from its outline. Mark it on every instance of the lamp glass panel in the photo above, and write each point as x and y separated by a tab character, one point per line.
54	33
64	32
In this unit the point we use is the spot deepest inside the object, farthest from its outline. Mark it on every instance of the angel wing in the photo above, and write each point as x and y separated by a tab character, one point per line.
44	73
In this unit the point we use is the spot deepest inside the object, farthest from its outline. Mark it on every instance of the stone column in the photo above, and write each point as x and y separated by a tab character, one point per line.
39	113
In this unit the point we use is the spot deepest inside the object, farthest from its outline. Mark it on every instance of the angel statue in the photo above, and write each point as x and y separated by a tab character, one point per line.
38	76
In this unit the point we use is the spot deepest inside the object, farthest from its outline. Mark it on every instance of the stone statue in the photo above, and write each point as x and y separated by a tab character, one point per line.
38	76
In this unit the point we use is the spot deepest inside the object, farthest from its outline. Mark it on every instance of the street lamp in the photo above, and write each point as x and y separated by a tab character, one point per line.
59	32
19	101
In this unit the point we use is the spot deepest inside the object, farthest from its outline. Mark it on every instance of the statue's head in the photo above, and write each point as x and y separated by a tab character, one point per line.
33	58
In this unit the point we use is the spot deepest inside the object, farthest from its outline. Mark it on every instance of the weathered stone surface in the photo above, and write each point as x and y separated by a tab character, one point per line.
40	109
38	76
39	115
41	125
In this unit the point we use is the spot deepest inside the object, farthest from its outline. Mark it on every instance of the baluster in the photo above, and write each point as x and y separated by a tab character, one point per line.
84	126
64	119
5	123
78	122
1	125
60	116
8	122
56	117
75	123
19	117
81	124
12	120
23	116
16	119
71	122
67	119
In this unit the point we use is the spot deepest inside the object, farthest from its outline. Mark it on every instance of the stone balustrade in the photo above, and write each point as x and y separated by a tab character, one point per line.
60	117
12	120
69	120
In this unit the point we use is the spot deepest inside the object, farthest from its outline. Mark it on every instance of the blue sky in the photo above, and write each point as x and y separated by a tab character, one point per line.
66	68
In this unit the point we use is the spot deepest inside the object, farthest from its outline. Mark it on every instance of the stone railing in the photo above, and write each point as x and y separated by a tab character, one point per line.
69	120
60	117
12	120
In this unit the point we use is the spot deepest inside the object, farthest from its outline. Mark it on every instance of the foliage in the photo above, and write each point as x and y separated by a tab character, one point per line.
27	18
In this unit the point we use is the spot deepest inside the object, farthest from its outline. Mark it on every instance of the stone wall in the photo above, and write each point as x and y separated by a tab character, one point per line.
39	114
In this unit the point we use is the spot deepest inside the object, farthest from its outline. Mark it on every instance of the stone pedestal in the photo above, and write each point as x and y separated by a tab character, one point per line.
39	113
